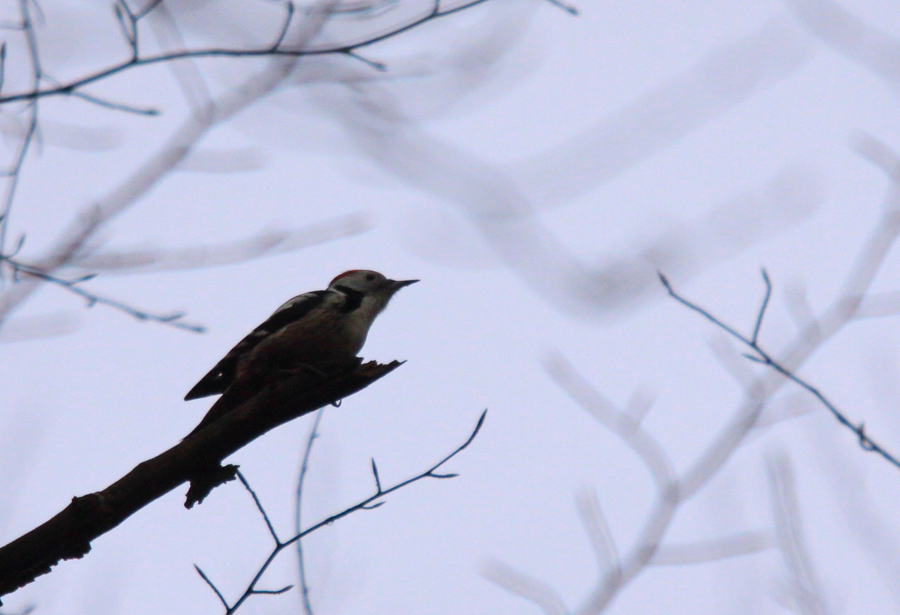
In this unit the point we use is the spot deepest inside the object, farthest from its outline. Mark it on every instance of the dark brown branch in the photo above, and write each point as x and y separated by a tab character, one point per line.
68	535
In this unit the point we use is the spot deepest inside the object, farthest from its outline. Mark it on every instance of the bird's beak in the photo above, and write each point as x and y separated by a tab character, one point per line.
398	284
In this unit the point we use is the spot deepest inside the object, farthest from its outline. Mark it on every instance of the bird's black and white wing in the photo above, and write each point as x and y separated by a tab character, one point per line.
223	374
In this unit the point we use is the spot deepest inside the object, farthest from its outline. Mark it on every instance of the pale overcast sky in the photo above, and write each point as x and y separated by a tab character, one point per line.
534	169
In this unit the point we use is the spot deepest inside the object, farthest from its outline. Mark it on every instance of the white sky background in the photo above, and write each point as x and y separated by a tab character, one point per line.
533	169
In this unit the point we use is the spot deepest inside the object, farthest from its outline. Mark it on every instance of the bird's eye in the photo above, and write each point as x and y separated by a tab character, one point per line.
370	277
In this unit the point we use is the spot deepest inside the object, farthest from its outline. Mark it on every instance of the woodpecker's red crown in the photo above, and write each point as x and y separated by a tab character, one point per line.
374	275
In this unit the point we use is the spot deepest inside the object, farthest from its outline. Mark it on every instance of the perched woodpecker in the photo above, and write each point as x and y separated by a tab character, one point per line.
315	331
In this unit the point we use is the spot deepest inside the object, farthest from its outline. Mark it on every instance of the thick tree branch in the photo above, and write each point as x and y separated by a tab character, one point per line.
68	535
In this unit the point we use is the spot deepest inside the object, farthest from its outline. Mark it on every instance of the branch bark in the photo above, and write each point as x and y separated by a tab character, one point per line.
197	458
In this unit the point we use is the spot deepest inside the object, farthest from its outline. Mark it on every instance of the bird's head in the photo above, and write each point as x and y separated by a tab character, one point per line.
369	282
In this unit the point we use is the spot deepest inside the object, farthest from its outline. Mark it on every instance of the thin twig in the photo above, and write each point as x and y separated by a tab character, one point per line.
259	506
763	357
429	473
647	545
365	504
762	309
284	29
71	244
527	587
75	238
568	8
269	50
272	592
73	286
108	104
212	586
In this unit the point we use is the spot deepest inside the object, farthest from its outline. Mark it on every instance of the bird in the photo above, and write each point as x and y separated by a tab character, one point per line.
316	332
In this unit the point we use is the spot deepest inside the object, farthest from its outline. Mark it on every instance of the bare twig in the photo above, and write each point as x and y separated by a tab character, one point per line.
108	104
259	505
188	75
287	24
571	10
880	305
671	495
77	236
92	298
277	49
760	355
212	586
15	171
366	504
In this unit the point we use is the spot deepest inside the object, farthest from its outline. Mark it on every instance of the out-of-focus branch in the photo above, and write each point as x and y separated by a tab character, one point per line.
816	330
266	243
369	503
77	236
862	43
31	123
28	328
806	592
723	79
92	298
68	535
760	355
597	529
701	552
187	73
504	213
617	421
671	494
143	261
526	587
298	512
281	48
880	305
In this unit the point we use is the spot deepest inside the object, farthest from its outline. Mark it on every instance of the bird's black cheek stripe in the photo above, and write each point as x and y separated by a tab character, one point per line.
354	298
